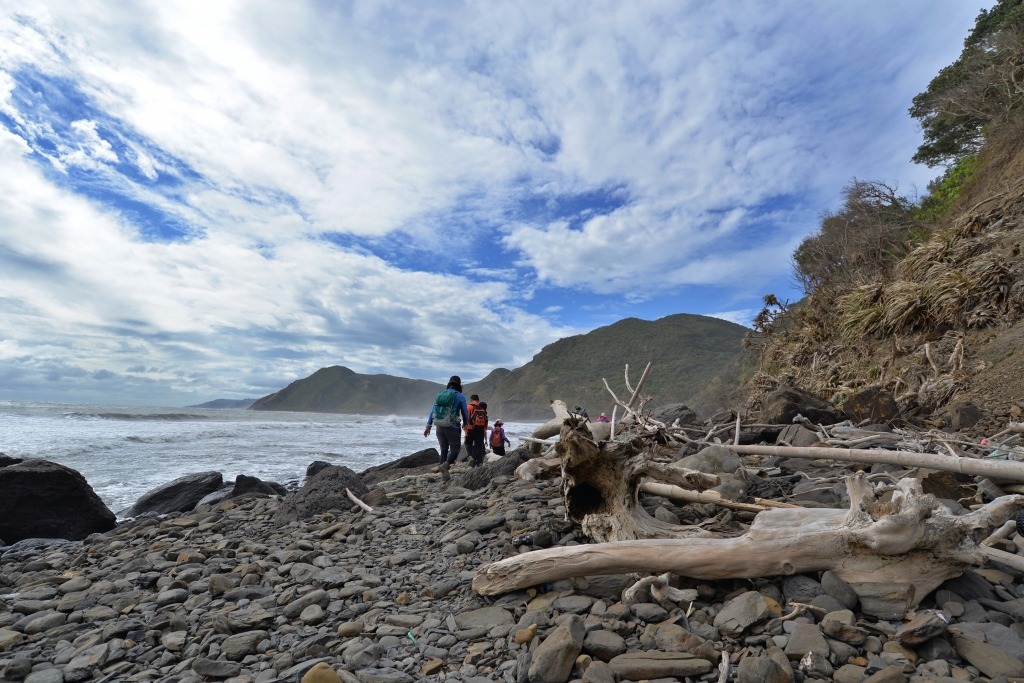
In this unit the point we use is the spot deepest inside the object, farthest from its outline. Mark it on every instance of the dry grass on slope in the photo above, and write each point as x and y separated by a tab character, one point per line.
922	330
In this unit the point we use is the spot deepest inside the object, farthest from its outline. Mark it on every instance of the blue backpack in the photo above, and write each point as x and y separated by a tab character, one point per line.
446	412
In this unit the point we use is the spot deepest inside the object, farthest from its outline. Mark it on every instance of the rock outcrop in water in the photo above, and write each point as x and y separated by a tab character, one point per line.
42	499
180	495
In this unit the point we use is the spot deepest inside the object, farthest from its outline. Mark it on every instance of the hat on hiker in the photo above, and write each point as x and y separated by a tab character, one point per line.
455	382
498	423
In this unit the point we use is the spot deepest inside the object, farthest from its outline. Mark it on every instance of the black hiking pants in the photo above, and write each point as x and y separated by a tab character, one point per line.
475	443
449	441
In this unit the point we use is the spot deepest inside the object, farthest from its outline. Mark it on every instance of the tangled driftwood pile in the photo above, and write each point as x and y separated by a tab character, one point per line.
892	532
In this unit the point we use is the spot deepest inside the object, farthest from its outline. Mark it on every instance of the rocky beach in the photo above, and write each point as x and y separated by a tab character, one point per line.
251	582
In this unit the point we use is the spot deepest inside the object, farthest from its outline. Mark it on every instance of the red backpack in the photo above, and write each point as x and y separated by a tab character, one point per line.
478	417
497	436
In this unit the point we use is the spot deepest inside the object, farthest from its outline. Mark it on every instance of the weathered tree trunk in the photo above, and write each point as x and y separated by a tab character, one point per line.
601	483
912	539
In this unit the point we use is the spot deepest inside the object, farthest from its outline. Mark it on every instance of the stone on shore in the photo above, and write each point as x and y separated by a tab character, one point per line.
554	658
43	499
638	666
321	493
180	495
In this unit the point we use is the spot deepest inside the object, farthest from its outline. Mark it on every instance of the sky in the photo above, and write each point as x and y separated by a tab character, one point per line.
213	199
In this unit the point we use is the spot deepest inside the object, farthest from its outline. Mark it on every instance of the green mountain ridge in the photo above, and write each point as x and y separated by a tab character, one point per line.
696	360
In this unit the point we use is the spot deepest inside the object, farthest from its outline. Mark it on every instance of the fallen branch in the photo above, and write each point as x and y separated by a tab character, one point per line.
998	469
352	497
911	539
706	497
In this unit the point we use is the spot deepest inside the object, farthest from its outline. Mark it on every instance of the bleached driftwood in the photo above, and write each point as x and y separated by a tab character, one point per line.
354	499
912	539
978	467
600	485
553	426
712	497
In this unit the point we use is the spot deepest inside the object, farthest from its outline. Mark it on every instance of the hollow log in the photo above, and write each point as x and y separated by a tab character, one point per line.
911	539
601	484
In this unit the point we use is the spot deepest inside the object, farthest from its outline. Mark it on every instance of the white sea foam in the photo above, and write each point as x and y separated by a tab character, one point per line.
124	451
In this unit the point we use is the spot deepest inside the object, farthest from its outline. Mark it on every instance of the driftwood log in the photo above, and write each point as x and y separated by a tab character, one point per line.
911	538
601	484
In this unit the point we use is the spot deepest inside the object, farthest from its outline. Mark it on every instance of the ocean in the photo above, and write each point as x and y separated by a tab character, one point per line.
124	451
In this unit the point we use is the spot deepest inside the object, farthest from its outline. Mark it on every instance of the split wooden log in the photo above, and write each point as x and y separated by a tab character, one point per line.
979	467
601	484
911	539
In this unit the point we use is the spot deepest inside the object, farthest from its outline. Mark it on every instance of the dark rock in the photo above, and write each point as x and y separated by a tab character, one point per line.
799	436
827	602
599	672
244	484
760	670
604	645
218	496
675	411
969	586
964	415
479	477
216	668
884	600
638	666
322	492
925	626
484	524
740	613
839	589
871	403
785	403
990	660
607	585
649	612
938	648
7	460
42	499
419	461
800	588
315	467
554	658
180	495
805	638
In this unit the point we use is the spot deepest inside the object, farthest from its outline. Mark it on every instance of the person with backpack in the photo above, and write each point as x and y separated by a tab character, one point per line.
498	438
476	433
449	407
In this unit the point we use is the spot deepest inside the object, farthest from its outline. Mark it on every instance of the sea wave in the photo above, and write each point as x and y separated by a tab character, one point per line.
158	417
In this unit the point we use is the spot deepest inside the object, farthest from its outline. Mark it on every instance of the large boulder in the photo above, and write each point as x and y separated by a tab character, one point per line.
322	492
420	461
43	499
7	460
675	411
245	484
479	477
871	403
782	405
180	495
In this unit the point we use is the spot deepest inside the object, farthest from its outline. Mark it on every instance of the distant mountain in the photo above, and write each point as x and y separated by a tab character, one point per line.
697	360
226	403
339	390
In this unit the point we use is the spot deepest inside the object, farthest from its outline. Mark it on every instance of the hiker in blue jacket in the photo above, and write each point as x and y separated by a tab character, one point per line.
449	407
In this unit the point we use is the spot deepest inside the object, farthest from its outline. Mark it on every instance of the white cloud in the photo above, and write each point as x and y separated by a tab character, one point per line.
700	141
741	317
